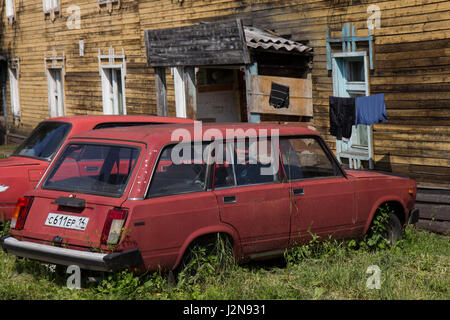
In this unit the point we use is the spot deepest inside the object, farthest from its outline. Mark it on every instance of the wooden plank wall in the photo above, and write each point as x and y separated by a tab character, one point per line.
34	35
411	57
434	206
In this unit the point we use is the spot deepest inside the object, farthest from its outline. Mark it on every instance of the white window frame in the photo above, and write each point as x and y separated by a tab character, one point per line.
100	2
55	88
10	10
110	89
13	73
109	63
50	6
108	3
55	62
350	149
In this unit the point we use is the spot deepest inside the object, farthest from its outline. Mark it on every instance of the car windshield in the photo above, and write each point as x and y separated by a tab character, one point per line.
44	141
93	169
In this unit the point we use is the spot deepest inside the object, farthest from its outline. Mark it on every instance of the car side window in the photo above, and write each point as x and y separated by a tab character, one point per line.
179	170
223	167
249	162
305	158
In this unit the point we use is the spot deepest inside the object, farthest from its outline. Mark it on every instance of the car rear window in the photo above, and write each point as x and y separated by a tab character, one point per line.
44	141
93	169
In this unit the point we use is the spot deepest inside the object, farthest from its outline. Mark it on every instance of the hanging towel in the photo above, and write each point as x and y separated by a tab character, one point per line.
279	96
370	110
342	117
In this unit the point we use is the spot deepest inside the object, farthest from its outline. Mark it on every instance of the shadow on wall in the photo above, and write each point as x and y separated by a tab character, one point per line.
384	164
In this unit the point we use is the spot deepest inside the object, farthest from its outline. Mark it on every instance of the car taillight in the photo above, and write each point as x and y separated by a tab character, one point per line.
114	223
20	212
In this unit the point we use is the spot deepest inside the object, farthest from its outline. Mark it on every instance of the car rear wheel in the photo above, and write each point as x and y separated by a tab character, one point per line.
197	258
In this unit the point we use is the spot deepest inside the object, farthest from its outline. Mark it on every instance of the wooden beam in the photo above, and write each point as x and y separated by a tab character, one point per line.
190	92
161	92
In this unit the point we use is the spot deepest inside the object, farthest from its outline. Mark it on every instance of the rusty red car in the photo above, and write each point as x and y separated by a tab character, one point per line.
142	197
23	169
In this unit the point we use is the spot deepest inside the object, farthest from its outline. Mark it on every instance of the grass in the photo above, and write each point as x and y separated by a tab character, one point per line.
416	268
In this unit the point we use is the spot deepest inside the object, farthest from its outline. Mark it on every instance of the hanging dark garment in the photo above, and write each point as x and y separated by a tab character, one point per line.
370	110
279	96
342	117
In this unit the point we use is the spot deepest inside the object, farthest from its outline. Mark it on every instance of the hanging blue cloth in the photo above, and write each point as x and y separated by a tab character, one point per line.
370	110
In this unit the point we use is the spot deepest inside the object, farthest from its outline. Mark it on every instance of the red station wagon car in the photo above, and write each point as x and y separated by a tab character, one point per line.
24	168
138	197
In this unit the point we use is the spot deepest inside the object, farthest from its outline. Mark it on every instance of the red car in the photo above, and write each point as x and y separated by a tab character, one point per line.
141	197
23	169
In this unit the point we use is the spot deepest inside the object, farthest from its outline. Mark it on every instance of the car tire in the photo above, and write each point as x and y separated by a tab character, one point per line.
393	229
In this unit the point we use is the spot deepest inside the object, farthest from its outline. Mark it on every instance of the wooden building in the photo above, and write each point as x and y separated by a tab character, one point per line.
138	57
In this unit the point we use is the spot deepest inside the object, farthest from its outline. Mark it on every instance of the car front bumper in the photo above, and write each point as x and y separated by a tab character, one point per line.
63	256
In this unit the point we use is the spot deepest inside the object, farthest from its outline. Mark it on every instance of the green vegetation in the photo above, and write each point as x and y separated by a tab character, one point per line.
417	267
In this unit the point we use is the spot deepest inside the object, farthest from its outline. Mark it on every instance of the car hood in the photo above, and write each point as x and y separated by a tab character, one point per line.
14	161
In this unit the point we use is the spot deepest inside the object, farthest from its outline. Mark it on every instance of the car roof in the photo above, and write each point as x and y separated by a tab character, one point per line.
165	133
89	121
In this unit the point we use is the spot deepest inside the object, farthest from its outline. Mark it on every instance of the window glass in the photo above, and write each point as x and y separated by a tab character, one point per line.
106	173
224	170
180	169
355	70
305	158
252	162
44	140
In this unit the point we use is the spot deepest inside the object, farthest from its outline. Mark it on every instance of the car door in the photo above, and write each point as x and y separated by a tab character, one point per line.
251	200
177	207
322	197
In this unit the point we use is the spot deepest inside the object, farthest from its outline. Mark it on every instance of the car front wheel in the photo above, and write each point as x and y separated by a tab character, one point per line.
393	229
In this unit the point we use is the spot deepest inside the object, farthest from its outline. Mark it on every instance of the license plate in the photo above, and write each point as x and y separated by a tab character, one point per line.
66	221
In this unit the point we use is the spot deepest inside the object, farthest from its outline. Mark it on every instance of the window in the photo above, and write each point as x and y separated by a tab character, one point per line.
304	158
93	169
10	10
246	162
107	1
172	176
14	90
112	69
350	79
108	4
113	89
44	140
55	92
50	6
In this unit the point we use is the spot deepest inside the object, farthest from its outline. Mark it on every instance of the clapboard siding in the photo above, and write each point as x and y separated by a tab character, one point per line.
411	60
33	35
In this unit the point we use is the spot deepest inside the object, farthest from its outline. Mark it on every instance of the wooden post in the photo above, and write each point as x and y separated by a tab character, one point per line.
161	92
190	92
251	70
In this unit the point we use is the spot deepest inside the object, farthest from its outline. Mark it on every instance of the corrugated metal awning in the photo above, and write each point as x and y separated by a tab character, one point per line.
257	38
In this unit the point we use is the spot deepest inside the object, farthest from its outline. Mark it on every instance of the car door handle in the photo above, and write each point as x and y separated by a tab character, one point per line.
229	199
298	192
